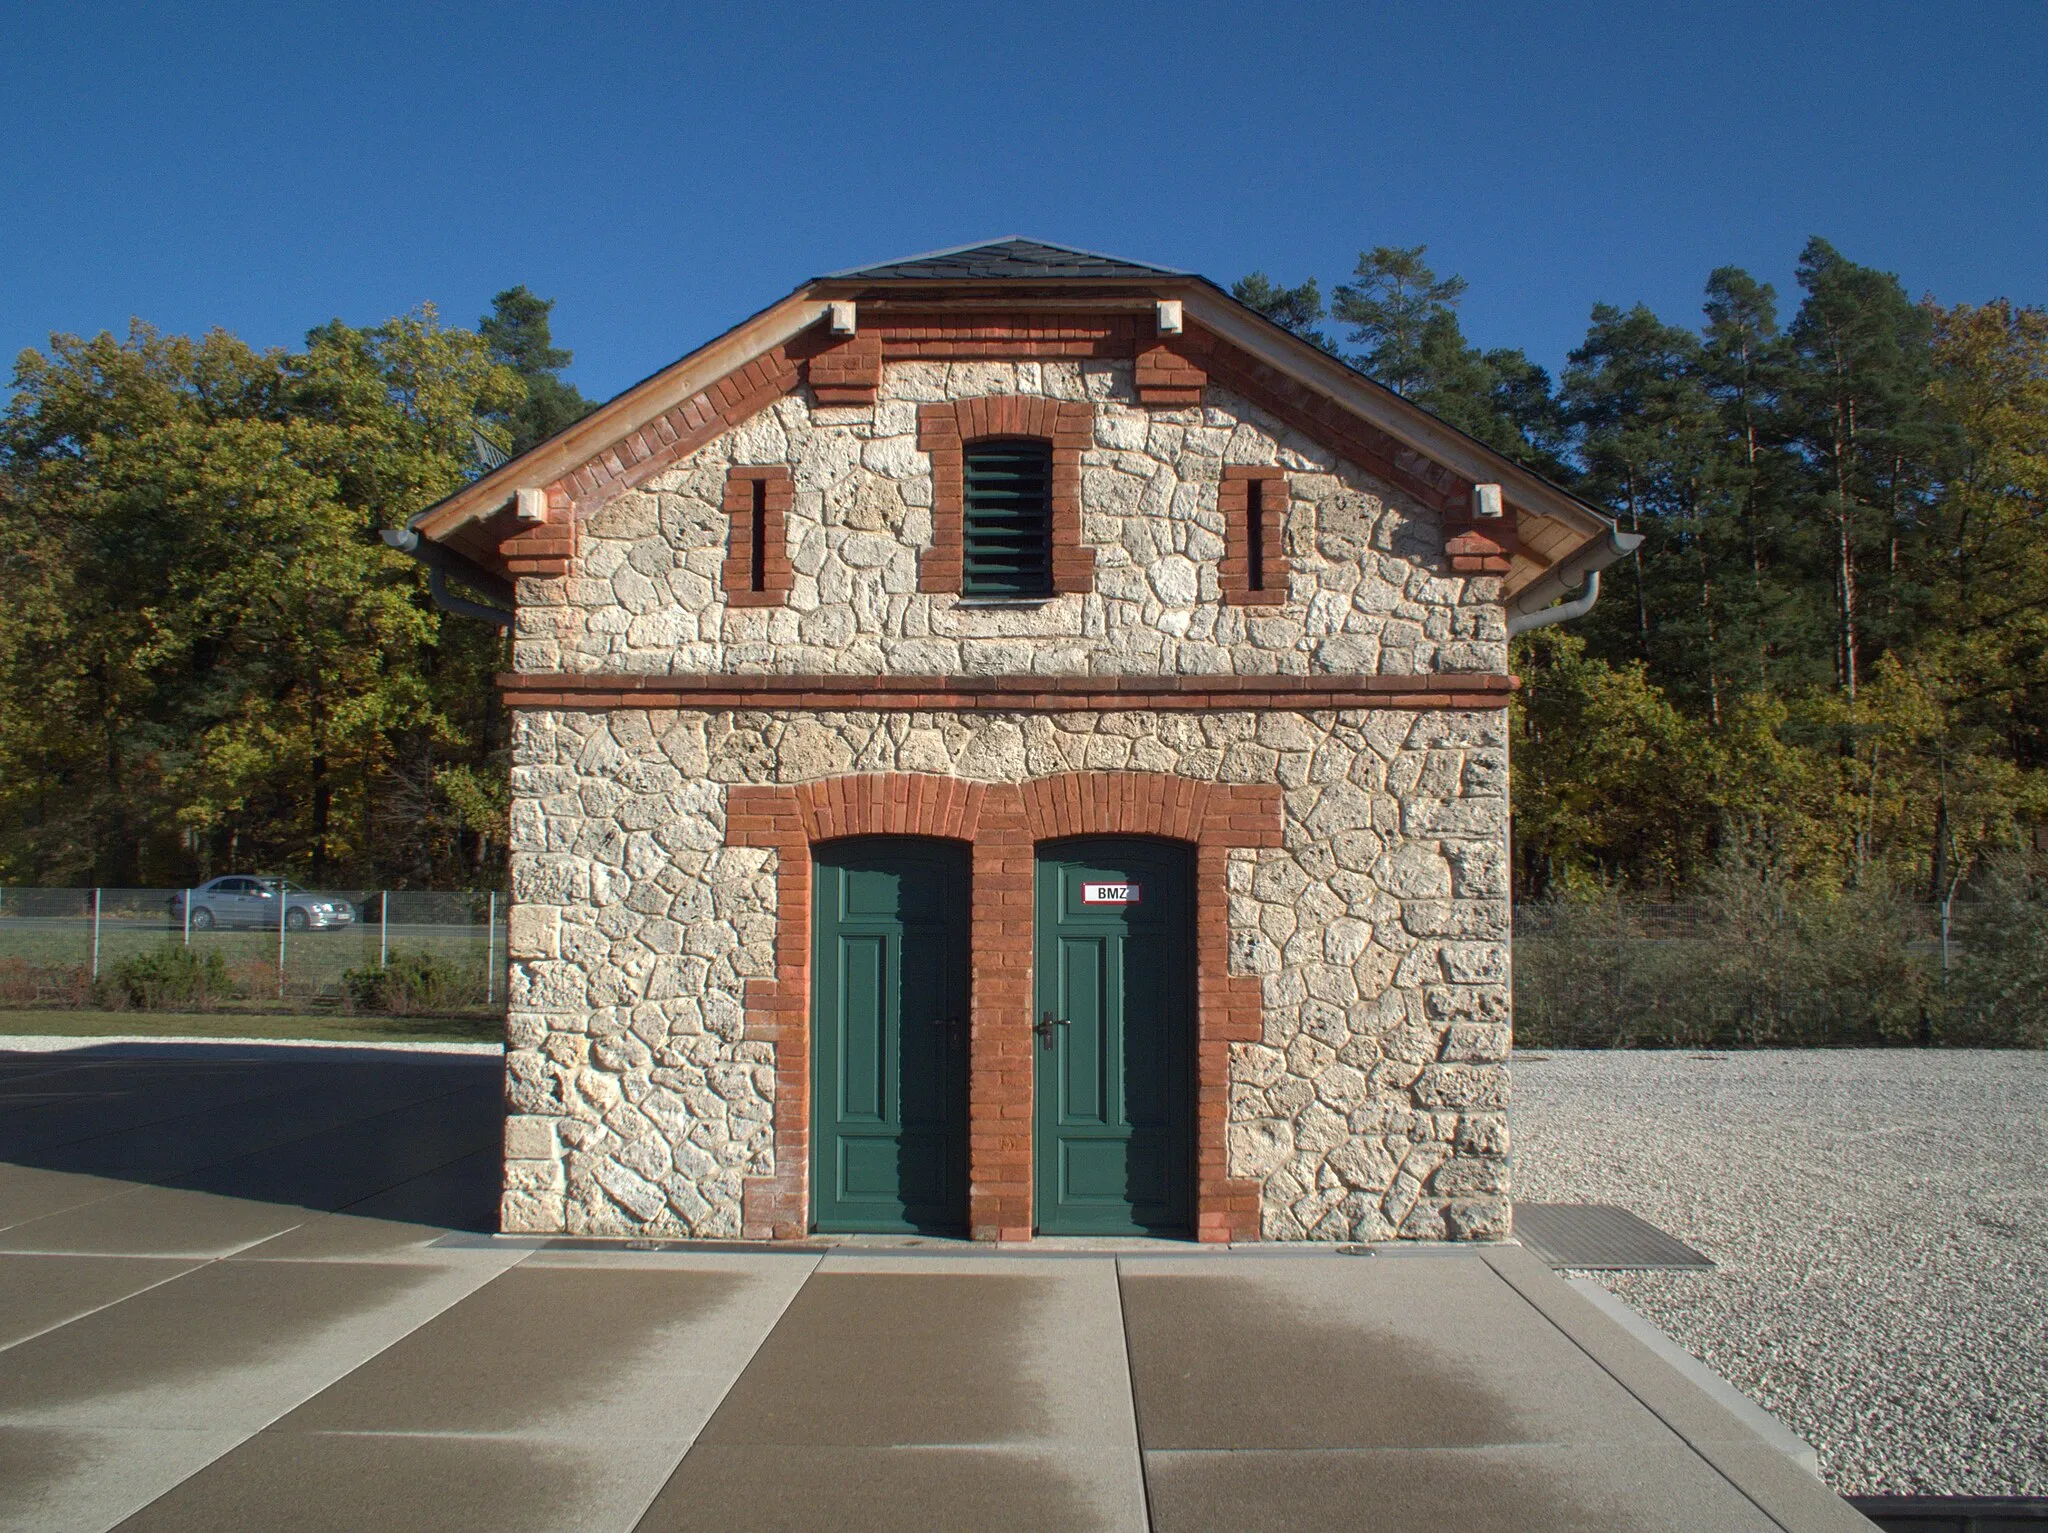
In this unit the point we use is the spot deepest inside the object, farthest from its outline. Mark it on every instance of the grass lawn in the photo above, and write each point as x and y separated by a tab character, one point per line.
47	1022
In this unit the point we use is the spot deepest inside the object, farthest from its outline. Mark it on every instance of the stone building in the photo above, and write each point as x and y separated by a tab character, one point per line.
1009	741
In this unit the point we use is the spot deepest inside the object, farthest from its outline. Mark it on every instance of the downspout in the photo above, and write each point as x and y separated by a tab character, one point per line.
444	562
1577	580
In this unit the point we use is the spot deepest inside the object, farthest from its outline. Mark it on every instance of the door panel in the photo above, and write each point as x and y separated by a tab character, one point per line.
1115	973
889	1014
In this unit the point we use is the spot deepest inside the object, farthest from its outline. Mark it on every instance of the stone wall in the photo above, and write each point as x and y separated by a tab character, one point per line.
1369	593
1375	1103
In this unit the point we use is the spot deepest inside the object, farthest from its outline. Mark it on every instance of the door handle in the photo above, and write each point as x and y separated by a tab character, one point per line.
1046	1023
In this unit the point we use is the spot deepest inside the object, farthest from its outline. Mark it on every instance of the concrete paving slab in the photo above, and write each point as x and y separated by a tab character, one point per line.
144	1393
153	1221
1272	1353
1520	1488
405	1222
780	1489
605	1373
1769	1477
559	1352
40	1292
31	1192
332	1483
895	1378
84	1480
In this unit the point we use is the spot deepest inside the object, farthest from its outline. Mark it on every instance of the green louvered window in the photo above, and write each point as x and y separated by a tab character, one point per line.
1009	519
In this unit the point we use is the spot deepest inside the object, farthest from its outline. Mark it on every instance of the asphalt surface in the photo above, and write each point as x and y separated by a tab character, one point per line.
1880	1220
236	1293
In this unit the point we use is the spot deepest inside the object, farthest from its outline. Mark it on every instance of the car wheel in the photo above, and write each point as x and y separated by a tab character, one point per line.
296	921
202	920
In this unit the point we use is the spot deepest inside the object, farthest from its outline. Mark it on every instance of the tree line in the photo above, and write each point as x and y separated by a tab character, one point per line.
1825	662
208	659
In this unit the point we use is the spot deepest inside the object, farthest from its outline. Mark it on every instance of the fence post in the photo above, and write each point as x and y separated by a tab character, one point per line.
491	951
188	918
383	928
283	902
95	936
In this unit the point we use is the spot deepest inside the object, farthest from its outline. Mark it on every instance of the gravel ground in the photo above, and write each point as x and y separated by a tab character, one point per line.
1881	1223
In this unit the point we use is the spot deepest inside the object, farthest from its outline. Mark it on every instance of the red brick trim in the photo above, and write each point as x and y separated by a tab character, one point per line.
676	433
849	371
1320	417
543	550
1170	370
757	577
1234	499
943	431
1004	694
995	335
1003	822
1480	548
1166	374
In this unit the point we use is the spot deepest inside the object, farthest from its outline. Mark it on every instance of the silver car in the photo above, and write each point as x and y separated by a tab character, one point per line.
239	899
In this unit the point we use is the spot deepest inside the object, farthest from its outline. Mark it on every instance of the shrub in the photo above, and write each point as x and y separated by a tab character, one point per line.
30	984
1755	960
411	985
172	976
1998	983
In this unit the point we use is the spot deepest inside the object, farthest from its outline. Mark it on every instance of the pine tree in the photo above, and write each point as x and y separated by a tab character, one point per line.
519	337
1298	310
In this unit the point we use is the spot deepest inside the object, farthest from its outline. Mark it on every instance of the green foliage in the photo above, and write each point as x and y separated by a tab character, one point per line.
520	338
1295	309
1828	662
207	657
172	977
1405	318
411	985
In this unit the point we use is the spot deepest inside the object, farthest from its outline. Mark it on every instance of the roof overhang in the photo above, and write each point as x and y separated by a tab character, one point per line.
1560	537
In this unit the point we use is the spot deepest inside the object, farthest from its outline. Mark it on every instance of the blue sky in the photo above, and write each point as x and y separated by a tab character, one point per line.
665	171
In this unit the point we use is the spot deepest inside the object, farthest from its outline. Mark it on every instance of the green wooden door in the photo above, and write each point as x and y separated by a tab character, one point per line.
1113	1136
889	1024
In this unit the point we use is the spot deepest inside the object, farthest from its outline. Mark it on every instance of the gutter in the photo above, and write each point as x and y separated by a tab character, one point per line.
442	563
1577	579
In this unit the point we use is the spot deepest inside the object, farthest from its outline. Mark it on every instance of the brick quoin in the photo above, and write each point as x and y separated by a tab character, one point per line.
1003	823
943	431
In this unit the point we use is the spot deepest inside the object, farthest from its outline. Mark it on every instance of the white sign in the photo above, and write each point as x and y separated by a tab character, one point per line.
1109	894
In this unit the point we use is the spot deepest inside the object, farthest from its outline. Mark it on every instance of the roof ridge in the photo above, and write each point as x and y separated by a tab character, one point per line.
1020	249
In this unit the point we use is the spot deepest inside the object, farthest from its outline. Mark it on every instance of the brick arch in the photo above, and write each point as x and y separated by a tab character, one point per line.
1004	822
943	430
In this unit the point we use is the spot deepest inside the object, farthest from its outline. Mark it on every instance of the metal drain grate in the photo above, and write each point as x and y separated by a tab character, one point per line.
1954	1514
1599	1237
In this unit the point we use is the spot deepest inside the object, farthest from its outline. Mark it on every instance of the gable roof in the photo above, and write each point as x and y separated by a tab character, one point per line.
1562	537
1013	256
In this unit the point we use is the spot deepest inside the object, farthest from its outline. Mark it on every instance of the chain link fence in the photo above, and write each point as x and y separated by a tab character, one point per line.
1753	965
269	942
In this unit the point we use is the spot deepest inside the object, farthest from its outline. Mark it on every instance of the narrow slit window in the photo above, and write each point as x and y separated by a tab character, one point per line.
1008	519
1255	534
757	546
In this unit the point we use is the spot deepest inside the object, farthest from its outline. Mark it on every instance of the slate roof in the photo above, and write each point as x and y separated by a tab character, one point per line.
1012	257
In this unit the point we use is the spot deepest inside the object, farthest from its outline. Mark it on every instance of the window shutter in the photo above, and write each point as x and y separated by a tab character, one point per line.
1008	531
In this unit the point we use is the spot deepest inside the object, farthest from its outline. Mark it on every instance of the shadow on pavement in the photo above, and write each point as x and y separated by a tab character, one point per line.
397	1135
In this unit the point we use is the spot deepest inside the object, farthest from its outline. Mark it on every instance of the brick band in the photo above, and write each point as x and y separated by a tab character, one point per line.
1004	694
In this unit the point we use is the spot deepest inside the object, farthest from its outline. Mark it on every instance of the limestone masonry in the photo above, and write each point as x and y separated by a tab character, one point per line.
740	638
